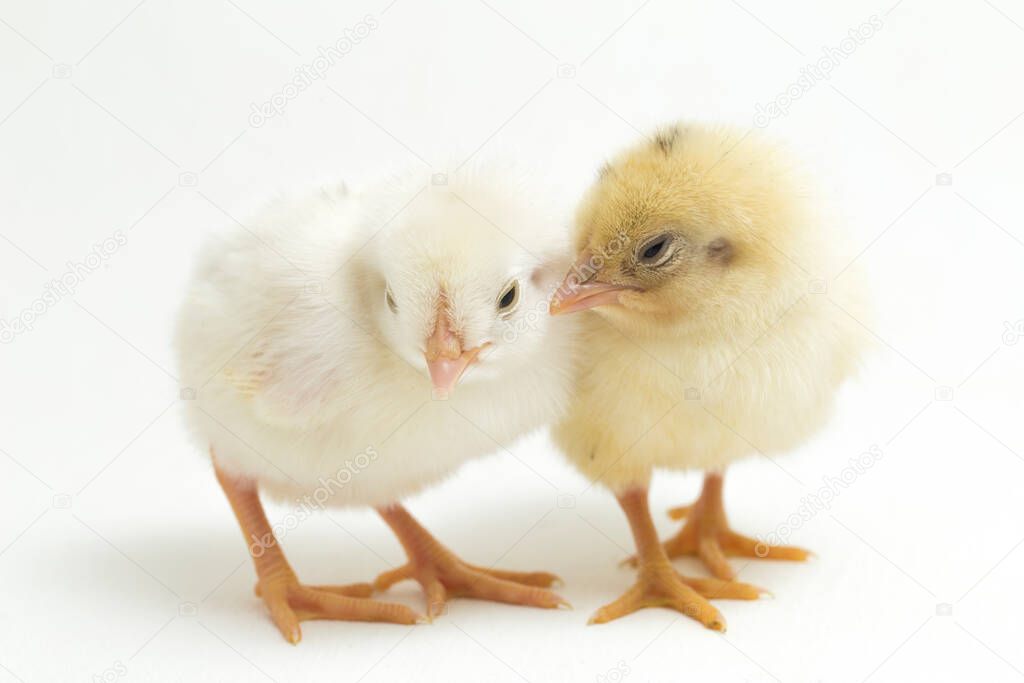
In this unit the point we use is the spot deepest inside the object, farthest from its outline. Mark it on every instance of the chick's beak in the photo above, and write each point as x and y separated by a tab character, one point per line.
445	373
446	359
580	290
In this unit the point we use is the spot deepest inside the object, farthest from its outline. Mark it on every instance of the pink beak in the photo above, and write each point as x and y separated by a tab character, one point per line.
579	291
445	373
446	360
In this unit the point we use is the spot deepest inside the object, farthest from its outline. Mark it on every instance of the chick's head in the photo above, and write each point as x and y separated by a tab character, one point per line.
694	226
463	274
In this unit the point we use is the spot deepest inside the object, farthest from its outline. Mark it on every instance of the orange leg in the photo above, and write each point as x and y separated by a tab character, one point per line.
707	535
288	600
442	574
658	584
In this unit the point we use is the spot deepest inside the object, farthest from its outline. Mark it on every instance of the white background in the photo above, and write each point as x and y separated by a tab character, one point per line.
118	552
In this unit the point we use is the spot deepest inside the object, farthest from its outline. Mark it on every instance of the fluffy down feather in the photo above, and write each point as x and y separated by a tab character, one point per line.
726	349
306	377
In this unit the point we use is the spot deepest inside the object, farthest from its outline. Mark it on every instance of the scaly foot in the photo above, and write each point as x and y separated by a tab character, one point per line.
707	535
291	602
659	585
442	574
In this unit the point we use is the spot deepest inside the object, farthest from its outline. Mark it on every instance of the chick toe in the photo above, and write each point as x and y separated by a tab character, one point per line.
707	535
352	590
658	584
662	587
539	579
290	603
442	574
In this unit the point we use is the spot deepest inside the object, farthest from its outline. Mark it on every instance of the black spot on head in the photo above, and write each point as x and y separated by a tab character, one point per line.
721	250
665	139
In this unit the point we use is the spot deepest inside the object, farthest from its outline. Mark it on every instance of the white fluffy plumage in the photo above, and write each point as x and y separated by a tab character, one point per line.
303	371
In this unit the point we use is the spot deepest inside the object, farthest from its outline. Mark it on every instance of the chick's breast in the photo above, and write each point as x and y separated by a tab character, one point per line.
668	402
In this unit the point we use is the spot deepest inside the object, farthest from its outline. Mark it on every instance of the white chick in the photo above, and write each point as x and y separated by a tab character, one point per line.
325	341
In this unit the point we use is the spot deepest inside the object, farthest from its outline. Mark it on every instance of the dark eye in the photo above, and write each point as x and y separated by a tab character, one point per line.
390	299
509	298
656	251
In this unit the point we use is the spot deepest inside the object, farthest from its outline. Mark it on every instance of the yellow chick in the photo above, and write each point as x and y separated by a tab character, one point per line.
708	341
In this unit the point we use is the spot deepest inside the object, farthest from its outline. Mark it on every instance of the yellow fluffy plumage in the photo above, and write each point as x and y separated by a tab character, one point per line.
719	339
